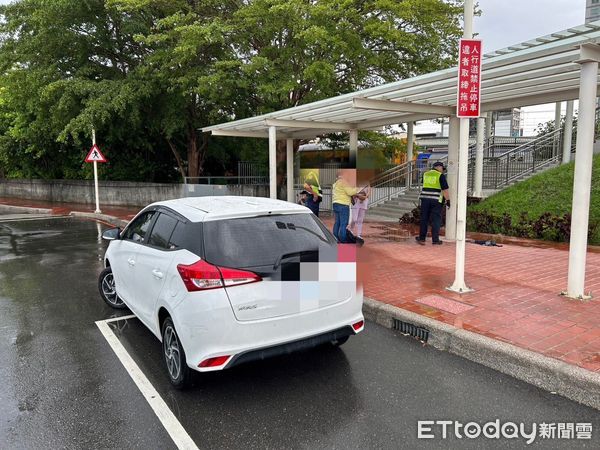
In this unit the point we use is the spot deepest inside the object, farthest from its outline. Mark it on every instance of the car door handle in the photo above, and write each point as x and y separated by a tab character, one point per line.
131	261
157	273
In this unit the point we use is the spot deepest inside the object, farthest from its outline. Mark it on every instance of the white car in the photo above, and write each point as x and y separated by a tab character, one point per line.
225	280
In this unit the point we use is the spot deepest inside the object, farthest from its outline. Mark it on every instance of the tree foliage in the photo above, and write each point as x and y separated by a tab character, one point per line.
147	74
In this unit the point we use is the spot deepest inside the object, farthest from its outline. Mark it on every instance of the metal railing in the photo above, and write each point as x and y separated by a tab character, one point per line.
248	171
219	180
394	182
501	170
399	179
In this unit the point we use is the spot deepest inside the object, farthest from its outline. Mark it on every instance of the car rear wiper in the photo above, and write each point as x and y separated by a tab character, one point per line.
289	255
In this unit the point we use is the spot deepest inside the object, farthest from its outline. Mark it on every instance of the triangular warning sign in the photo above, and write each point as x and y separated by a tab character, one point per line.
95	155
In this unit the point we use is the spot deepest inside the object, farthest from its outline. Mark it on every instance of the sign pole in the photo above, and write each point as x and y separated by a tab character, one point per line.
96	175
459	284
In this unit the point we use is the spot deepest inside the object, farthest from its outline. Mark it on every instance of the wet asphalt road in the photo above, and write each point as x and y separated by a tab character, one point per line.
62	386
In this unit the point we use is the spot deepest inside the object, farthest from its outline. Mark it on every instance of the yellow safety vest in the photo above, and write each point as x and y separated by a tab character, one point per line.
432	187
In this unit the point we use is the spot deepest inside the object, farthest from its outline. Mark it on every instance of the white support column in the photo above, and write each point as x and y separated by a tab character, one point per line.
489	131
590	55
568	135
478	182
353	147
557	113
289	153
452	176
410	142
459	284
273	162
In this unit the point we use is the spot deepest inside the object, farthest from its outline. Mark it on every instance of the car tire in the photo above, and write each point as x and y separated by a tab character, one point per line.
108	291
174	356
339	341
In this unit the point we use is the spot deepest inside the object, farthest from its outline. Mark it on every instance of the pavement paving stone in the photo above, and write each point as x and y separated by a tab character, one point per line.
516	298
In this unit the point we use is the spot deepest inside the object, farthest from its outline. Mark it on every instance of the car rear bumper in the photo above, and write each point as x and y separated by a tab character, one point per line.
289	347
215	332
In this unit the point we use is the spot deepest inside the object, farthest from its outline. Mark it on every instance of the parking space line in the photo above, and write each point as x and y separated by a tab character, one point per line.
116	319
180	437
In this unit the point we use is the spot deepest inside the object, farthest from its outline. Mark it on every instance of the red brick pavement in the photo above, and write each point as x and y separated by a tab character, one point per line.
516	296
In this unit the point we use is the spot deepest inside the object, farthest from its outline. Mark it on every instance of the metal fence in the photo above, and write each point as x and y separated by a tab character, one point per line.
229	180
500	171
250	172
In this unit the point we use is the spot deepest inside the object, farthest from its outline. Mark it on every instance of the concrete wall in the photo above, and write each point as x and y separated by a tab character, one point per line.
116	192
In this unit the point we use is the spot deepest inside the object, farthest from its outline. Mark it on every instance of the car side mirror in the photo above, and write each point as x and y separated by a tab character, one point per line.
111	234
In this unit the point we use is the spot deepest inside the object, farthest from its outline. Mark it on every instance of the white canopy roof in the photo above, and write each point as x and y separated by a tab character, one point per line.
541	70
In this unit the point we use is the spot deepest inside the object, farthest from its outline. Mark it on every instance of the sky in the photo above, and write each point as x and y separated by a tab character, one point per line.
507	22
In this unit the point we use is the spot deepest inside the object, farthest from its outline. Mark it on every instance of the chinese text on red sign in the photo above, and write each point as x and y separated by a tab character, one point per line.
469	78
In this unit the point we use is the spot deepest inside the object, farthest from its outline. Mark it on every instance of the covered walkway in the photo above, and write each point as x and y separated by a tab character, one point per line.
559	67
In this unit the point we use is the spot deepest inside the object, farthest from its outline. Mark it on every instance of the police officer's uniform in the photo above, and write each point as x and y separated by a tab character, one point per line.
434	182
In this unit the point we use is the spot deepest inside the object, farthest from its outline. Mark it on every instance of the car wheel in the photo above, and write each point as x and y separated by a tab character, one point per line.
108	292
174	356
339	341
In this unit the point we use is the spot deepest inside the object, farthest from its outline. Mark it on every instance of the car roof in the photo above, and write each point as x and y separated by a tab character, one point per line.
202	209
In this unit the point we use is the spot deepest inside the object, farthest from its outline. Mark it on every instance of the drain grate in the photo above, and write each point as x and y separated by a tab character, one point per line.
409	329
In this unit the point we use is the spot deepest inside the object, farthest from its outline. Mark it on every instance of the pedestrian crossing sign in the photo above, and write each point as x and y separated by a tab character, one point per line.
95	155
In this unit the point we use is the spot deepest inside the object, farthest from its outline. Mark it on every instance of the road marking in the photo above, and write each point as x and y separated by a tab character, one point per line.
180	437
117	318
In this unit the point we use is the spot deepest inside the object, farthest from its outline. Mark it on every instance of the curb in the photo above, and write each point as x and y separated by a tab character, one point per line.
572	382
23	209
102	217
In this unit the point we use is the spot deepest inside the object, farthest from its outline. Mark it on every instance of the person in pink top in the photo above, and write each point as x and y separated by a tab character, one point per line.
359	209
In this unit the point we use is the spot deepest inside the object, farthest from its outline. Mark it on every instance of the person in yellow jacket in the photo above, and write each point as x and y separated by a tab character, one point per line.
314	196
433	193
342	192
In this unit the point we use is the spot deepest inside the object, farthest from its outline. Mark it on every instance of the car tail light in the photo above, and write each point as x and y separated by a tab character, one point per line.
201	276
214	362
358	325
233	277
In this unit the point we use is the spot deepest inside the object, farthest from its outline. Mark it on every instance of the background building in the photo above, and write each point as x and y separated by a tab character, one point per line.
592	10
507	122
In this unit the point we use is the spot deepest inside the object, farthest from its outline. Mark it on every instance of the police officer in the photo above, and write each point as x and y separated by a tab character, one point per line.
435	190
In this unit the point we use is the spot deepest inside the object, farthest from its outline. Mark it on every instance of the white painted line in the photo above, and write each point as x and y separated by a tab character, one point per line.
116	319
180	437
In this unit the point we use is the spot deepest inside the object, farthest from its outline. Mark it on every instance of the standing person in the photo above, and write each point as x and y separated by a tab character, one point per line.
359	209
342	193
314	195
302	198
435	190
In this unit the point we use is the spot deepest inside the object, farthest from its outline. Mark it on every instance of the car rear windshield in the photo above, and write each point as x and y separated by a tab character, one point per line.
263	241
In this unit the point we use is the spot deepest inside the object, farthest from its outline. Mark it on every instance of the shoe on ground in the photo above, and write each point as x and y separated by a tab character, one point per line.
420	241
437	243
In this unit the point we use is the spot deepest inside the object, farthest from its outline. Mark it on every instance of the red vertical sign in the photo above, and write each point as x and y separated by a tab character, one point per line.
469	78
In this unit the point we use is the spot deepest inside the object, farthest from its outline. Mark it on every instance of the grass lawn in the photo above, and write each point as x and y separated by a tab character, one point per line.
551	191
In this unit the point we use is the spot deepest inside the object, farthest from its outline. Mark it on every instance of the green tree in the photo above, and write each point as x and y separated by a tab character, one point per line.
297	51
148	73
